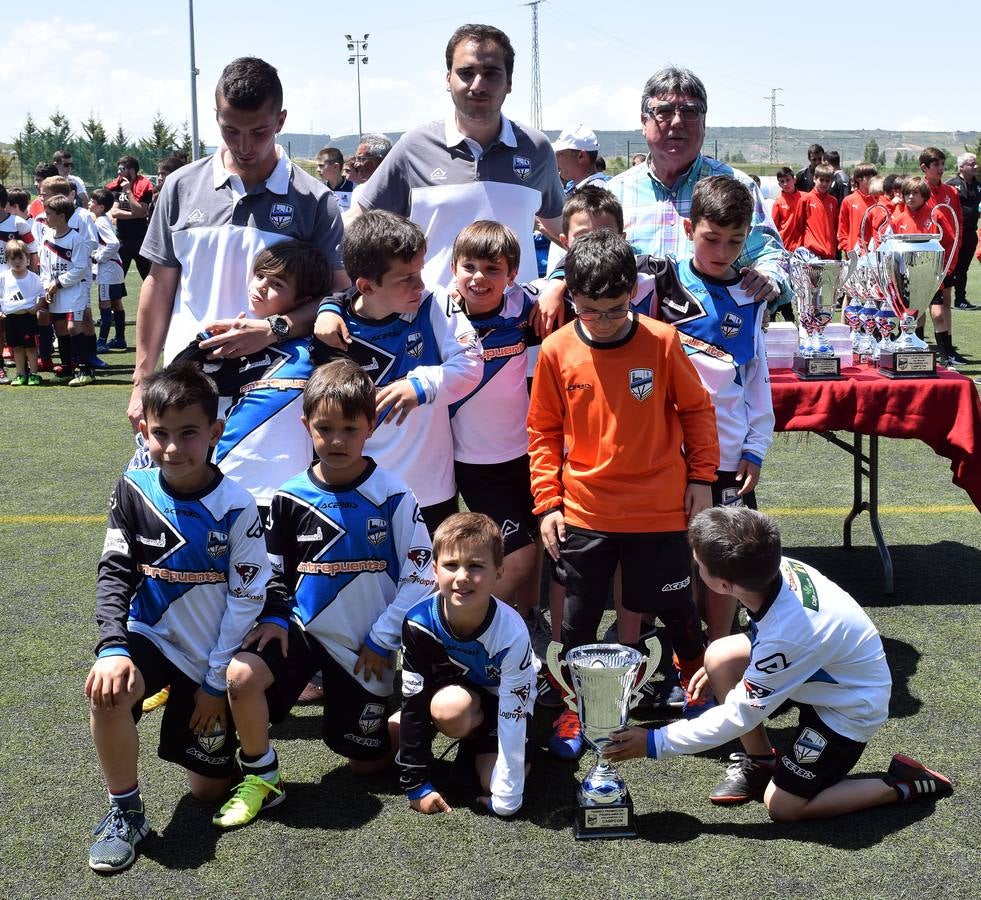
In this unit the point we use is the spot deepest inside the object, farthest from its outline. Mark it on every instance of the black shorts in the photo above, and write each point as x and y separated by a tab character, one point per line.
21	329
210	755
434	515
503	492
109	292
938	298
724	491
818	757
355	721
485	738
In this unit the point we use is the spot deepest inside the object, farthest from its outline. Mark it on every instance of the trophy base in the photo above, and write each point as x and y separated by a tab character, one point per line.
818	368
604	821
908	364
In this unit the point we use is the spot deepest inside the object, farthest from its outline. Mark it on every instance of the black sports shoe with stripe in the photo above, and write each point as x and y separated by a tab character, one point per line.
921	781
746	779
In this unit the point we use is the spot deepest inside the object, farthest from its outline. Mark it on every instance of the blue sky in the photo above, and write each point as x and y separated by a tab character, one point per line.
592	69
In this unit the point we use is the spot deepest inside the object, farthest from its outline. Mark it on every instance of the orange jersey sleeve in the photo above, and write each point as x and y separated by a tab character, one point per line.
617	431
945	193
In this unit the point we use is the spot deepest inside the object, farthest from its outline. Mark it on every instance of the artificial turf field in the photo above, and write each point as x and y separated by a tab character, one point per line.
61	450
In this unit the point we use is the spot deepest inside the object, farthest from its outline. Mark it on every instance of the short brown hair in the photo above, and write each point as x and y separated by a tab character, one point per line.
721	200
179	386
13	248
375	240
823	170
301	262
594	201
343	382
57	186
931	155
480	34
489	240
738	544
475	529
63	206
915	184
864	170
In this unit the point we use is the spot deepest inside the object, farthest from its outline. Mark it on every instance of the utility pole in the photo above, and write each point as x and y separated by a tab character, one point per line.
195	141
773	122
536	72
357	48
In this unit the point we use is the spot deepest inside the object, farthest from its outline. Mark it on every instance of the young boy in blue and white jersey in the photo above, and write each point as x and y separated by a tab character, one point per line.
490	432
264	443
468	670
109	275
350	556
809	642
181	580
721	328
420	351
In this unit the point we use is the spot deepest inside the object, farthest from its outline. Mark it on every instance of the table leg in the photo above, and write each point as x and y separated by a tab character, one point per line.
858	501
873	508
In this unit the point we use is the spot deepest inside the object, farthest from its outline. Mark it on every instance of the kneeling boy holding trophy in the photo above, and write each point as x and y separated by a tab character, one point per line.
809	642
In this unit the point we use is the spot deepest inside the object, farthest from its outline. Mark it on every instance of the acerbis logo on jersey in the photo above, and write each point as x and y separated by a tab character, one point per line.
420	557
522	167
217	544
730	324
377	529
676	585
809	746
281	214
371	717
641	383
771	664
508	528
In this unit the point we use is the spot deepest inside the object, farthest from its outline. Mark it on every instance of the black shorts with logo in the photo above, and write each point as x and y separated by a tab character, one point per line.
503	492
21	329
210	755
355	721
725	489
817	758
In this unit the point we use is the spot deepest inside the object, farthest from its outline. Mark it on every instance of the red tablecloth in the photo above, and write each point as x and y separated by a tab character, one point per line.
943	412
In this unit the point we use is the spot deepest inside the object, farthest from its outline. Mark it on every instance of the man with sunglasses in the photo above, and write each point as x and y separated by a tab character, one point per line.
656	197
65	164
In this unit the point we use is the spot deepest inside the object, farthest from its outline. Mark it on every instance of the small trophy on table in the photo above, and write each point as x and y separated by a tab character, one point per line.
817	285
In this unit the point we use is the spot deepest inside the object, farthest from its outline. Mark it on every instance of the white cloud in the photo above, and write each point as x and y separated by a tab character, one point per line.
921	123
595	107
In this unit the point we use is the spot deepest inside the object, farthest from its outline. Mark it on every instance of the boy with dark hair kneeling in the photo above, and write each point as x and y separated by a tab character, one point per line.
809	642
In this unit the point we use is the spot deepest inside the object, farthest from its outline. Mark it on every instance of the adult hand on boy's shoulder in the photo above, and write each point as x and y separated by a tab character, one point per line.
209	710
758	284
265	632
552	527
331	329
372	663
237	337
697	498
627	743
109	679
433	802
748	475
397	399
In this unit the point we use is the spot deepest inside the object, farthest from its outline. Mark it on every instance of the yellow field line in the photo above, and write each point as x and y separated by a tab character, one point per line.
836	511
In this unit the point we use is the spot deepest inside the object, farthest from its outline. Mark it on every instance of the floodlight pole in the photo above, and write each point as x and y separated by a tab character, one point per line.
195	143
357	48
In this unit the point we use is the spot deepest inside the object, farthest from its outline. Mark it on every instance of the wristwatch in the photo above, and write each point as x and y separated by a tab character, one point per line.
280	327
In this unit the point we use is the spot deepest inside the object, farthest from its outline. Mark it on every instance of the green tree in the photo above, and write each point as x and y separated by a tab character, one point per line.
871	151
161	141
882	158
59	132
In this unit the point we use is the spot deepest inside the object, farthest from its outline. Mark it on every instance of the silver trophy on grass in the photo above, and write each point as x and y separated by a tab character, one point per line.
910	269
606	682
817	285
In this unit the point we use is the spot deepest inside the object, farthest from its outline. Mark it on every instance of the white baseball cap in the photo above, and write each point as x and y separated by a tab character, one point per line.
578	138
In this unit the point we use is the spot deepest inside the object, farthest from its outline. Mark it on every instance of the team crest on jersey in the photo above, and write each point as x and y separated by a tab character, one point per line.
809	746
371	717
217	544
522	167
522	693
247	572
420	557
413	345
730	324
377	530
281	214
641	383
756	691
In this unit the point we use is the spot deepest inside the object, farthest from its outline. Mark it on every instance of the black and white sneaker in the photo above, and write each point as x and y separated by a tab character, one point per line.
914	780
746	779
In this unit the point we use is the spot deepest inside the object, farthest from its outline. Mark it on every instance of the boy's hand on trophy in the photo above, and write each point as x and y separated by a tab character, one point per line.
626	743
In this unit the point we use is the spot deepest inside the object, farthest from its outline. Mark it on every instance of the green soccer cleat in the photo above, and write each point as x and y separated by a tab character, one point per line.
116	838
252	795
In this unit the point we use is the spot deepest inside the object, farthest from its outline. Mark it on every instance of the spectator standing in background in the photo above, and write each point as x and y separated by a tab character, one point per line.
134	196
805	177
968	188
64	163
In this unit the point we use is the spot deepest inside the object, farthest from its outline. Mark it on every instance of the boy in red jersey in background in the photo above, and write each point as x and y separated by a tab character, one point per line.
821	215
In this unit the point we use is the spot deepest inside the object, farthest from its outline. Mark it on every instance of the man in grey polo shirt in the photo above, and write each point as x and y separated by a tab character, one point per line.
214	216
477	165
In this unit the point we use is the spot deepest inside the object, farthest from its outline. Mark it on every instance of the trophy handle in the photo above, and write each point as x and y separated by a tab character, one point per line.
862	243
647	672
555	667
951	257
